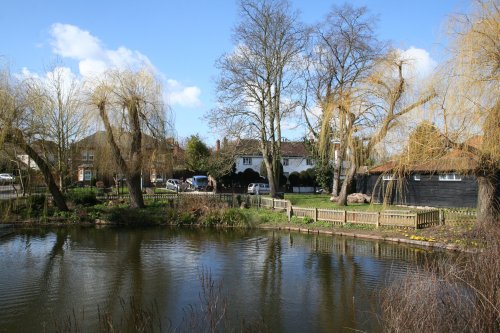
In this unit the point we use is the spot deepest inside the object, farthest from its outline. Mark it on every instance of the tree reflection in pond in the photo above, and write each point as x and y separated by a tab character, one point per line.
282	281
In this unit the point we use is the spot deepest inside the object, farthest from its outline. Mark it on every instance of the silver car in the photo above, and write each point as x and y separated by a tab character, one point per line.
258	188
6	178
173	184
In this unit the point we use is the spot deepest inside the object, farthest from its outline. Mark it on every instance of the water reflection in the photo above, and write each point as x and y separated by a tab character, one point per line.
290	282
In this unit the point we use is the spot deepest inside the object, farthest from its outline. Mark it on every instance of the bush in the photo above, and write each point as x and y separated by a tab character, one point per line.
133	216
234	217
85	197
307	220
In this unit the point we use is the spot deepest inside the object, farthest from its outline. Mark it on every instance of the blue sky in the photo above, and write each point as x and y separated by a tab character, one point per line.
183	39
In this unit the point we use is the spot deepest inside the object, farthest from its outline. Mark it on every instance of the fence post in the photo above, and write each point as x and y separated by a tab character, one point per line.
441	217
315	214
272	207
377	224
289	212
415	216
344	222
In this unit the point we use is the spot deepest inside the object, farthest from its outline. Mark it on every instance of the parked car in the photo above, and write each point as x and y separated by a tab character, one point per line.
198	183
173	184
158	181
7	178
258	188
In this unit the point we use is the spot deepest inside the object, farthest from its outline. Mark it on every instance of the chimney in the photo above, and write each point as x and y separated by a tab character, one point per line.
217	146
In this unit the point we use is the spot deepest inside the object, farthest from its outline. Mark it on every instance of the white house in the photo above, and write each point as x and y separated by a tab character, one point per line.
295	156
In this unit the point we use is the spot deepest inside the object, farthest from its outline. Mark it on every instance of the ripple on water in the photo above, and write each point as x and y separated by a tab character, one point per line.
263	272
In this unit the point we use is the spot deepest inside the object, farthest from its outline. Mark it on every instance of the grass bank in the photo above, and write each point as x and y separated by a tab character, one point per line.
209	211
323	201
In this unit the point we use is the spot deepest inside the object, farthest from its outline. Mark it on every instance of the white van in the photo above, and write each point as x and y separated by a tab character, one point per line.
258	188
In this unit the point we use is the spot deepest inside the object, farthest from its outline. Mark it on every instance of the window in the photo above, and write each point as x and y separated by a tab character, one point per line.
87	155
416	177
247	160
87	175
388	177
450	177
285	162
309	161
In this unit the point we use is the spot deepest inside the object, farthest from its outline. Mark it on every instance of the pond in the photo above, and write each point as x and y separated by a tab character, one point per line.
56	279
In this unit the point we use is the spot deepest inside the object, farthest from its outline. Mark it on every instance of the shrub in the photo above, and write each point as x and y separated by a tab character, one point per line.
211	219
307	220
85	197
134	217
234	217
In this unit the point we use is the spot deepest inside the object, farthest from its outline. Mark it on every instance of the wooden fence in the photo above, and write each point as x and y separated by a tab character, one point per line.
458	215
404	219
388	218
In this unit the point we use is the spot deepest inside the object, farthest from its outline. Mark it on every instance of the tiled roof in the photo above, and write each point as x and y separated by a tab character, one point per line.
455	161
99	138
288	148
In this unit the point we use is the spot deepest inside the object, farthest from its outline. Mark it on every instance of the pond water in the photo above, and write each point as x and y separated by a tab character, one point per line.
274	281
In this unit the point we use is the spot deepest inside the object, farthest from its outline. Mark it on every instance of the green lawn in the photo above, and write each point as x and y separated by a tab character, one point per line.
323	201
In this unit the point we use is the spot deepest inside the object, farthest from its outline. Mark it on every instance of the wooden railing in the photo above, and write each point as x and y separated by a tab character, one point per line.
388	218
458	215
428	218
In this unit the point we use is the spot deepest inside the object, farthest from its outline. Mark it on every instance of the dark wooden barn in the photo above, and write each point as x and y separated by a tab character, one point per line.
445	182
419	189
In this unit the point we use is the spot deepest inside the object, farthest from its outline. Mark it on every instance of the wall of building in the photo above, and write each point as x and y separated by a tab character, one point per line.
254	165
428	191
295	164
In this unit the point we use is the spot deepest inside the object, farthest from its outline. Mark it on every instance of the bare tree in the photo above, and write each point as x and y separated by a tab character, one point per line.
130	104
343	52
19	126
62	116
256	84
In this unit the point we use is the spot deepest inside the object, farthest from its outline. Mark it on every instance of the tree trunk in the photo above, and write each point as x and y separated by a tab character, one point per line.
135	163
488	202
134	190
336	180
270	175
346	185
59	200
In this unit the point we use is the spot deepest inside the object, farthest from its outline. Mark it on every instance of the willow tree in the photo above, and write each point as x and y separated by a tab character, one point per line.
20	126
386	98
256	84
129	104
470	105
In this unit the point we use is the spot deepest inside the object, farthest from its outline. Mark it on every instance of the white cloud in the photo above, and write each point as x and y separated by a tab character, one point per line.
90	67
421	63
93	58
182	95
72	42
